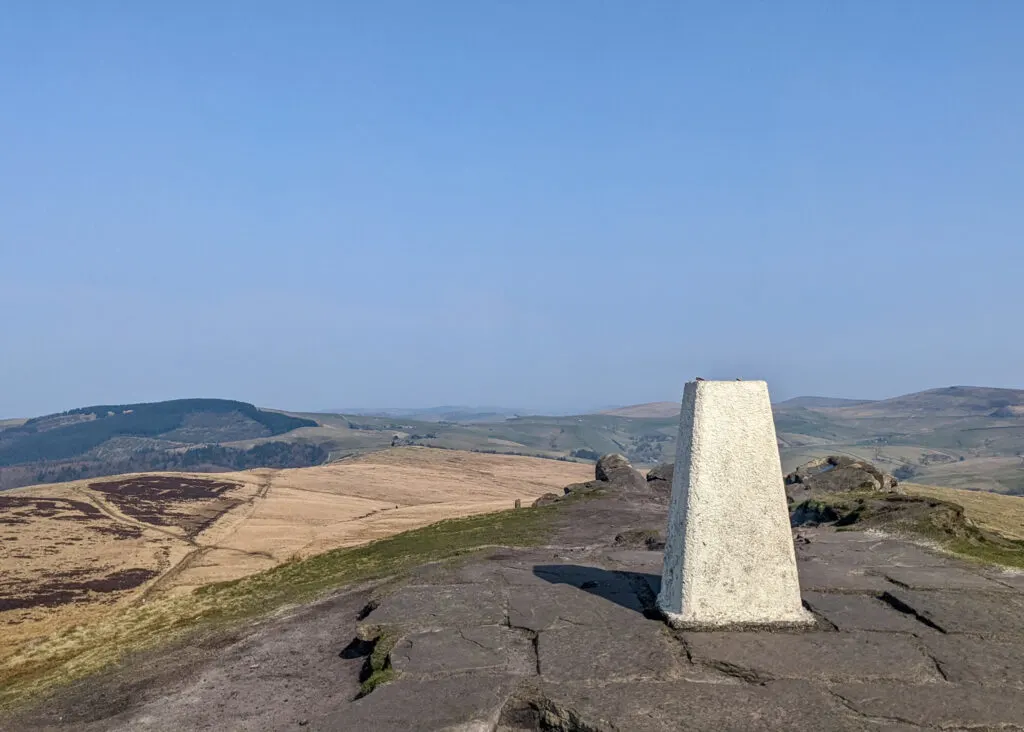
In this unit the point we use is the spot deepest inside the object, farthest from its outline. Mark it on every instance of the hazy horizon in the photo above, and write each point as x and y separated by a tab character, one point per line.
588	408
535	204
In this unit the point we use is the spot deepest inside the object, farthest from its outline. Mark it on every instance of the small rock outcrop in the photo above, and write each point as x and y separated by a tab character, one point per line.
839	474
547	499
617	470
663	472
613	471
649	539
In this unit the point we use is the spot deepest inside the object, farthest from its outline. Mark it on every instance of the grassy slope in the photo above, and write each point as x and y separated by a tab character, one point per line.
82	650
552	437
1003	514
983	527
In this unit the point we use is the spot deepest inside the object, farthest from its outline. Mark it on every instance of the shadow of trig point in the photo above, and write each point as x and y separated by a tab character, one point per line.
729	559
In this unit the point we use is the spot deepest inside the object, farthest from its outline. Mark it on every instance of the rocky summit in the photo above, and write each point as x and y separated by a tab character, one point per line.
839	473
566	636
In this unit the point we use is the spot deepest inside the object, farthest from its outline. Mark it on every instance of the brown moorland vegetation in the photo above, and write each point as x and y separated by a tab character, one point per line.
74	553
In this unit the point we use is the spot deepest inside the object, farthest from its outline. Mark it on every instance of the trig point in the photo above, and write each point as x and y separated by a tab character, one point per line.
729	557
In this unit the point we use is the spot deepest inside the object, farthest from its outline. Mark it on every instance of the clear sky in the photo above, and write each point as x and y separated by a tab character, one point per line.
542	204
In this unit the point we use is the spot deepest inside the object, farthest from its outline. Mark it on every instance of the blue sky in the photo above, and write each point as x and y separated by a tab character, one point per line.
537	204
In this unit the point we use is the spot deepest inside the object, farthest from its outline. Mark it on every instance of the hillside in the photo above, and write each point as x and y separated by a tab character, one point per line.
813	402
461	414
649	410
492	621
952	401
183	434
75	552
965	437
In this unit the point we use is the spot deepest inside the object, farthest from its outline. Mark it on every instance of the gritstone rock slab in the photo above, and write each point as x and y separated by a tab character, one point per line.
857	655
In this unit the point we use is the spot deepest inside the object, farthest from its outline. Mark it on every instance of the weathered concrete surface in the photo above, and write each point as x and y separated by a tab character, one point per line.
566	637
729	556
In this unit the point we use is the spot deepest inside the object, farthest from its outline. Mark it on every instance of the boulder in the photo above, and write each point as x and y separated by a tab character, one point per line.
617	470
649	539
839	474
612	472
662	472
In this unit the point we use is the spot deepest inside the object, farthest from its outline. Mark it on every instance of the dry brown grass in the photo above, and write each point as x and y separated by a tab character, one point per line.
1000	513
267	518
652	410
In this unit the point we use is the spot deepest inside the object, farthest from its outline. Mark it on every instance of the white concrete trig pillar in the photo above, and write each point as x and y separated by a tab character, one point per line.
729	558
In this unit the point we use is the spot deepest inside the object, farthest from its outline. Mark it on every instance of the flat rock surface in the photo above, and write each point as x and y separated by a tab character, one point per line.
941	578
834	575
968	659
625	652
476	648
973	612
680	705
814	656
442	606
937	706
566	637
463	703
860	612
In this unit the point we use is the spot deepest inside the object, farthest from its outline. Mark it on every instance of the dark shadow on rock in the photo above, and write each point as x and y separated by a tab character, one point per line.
633	590
357	649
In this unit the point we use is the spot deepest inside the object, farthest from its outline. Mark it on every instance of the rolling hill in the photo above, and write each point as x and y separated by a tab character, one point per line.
461	414
183	434
650	410
964	437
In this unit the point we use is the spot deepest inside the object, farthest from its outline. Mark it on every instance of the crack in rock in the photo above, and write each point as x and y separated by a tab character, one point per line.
906	609
849	706
738	672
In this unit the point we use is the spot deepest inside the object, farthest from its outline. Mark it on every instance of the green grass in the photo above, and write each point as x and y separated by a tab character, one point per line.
304	580
939	520
945	526
380	664
83	650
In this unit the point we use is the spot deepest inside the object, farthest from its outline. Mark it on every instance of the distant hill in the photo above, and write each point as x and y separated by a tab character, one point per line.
951	401
651	410
438	414
956	436
670	409
813	402
171	435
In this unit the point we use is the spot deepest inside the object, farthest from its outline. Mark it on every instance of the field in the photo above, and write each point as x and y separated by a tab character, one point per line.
74	553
